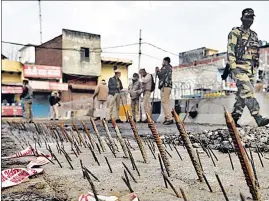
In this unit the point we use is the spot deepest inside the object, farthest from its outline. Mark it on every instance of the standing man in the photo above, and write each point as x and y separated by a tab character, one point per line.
114	88
101	92
243	58
135	90
165	85
27	96
146	80
54	100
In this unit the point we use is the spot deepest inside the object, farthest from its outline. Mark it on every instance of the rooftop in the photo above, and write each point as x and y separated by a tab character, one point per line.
116	61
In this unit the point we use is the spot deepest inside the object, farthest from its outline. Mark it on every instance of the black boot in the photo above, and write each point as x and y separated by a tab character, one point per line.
236	124
261	121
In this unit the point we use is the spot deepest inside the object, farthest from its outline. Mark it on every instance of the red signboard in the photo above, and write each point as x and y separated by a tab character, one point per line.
11	111
11	90
49	86
42	71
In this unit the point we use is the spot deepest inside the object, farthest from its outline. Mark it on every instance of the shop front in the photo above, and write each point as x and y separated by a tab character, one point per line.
43	80
10	99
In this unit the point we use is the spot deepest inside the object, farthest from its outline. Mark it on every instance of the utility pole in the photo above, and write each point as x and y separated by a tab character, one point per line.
139	53
139	61
40	20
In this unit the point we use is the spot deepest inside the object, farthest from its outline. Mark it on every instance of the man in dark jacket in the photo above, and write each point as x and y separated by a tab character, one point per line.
114	87
165	85
135	90
27	96
54	100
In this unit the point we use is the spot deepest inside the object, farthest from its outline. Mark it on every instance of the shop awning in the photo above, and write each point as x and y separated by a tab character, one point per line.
11	90
83	86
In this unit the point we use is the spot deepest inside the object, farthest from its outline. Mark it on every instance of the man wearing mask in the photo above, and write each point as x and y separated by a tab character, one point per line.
243	58
101	92
146	80
114	89
135	89
165	85
27	96
54	100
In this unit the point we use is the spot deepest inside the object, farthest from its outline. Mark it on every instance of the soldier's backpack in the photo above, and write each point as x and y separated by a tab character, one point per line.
152	83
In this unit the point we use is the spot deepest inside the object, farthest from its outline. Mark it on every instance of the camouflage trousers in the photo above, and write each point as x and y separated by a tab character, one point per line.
245	95
28	114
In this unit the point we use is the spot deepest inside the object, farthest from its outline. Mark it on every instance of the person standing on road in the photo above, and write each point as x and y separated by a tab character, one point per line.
146	80
243	58
54	100
114	89
165	85
27	96
135	90
101	92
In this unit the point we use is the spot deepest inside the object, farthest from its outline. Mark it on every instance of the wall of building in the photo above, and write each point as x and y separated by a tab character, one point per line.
14	66
27	55
11	72
72	63
49	57
108	72
11	78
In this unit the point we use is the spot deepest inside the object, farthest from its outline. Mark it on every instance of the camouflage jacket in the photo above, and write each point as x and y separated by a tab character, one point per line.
241	57
165	77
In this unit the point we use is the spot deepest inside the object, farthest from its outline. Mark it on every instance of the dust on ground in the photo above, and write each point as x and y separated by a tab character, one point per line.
66	184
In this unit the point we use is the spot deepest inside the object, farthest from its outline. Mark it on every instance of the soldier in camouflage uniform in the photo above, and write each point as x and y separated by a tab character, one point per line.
165	85
243	57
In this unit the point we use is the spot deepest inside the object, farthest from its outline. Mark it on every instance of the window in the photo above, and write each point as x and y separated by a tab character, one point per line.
84	54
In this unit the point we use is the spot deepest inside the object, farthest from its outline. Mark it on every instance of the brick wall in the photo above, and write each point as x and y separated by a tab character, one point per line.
49	57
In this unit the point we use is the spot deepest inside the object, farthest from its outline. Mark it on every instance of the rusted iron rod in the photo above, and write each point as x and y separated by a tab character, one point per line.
137	137
231	160
207	183
222	188
183	194
178	152
79	134
186	140
97	134
247	170
159	144
119	136
253	168
132	161
92	185
168	153
213	153
108	135
257	150
99	150
151	150
198	156
91	174
212	159
94	156
127	184
88	134
110	169
129	172
53	155
171	185
242	197
161	164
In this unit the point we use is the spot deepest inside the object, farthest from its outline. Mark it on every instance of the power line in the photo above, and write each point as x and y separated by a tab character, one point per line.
70	49
160	48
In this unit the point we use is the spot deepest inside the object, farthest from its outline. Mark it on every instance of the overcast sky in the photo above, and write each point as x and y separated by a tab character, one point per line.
173	26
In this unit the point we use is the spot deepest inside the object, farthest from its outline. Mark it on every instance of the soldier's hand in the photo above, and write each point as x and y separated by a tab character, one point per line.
157	69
